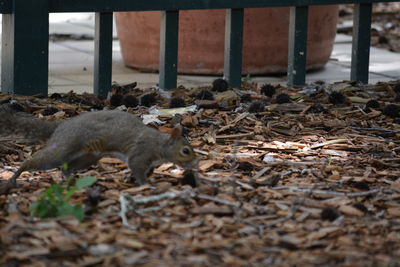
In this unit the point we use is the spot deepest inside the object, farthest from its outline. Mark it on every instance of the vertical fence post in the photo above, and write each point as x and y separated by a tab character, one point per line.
233	46
297	54
103	53
169	49
25	48
361	42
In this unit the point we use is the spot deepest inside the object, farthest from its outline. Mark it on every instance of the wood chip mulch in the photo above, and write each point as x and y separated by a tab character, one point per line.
315	181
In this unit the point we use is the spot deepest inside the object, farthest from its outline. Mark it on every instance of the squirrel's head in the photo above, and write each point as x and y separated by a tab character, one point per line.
179	149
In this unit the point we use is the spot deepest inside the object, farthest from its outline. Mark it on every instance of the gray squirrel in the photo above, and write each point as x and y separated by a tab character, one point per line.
79	142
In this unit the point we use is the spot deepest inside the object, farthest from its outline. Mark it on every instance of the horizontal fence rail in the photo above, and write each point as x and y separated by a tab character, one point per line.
25	36
6	6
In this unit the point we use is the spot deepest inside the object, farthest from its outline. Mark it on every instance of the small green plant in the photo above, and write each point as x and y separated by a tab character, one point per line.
54	202
247	79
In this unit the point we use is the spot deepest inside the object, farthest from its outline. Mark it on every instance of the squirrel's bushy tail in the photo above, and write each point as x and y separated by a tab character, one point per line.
23	124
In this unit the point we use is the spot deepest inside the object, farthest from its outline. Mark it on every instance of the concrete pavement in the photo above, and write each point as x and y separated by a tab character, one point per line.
71	61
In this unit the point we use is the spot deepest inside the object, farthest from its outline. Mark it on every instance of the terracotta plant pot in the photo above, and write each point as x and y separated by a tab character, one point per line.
201	39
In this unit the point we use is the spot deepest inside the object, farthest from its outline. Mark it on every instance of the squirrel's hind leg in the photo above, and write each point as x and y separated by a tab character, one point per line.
79	163
45	159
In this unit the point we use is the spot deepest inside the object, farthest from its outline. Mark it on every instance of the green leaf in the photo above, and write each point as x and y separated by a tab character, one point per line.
67	209
71	191
85	182
64	167
78	212
64	209
49	194
58	192
42	209
54	201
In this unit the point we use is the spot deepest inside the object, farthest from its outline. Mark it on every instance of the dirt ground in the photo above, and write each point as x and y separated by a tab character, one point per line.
305	177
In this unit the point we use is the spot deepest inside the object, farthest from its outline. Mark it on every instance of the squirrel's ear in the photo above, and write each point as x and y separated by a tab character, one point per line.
176	132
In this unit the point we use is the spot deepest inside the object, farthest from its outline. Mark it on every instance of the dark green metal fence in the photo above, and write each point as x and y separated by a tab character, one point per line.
25	36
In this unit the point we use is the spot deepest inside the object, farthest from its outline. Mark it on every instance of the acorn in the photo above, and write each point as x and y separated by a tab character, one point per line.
317	108
337	98
372	104
245	98
245	166
130	101
220	85
329	214
268	90
116	100
148	100
205	95
362	185
391	110
256	107
49	111
177	102
55	96
283	98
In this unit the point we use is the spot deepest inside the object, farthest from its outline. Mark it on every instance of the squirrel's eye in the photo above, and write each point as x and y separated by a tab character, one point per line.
185	150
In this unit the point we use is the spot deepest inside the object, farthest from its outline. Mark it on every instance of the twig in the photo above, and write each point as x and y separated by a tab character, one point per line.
233	136
300	187
216	123
234	122
282	219
304	171
261	172
360	129
166	195
331	142
258	227
335	193
219	200
292	163
130	204
373	129
125	207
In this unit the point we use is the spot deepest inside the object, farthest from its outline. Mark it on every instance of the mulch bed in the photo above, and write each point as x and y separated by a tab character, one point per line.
311	181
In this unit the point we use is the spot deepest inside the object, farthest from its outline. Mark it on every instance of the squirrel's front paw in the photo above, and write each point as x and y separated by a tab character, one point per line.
136	181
